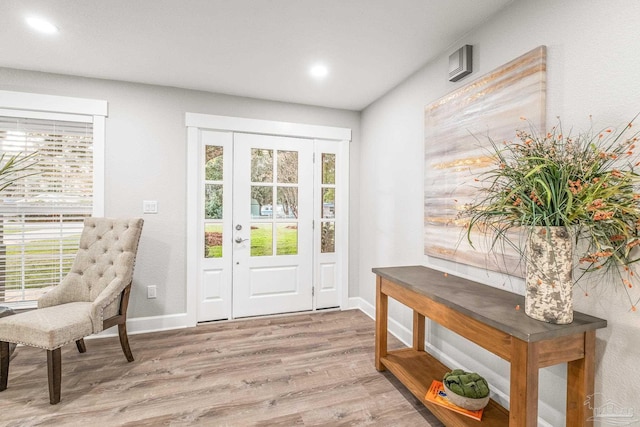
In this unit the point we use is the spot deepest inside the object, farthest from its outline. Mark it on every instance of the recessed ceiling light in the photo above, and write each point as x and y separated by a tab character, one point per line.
319	71
41	25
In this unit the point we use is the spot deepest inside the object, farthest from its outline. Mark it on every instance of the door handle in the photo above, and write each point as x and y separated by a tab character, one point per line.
240	240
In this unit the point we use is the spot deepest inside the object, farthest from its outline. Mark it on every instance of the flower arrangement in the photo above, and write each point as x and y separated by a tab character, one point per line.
586	183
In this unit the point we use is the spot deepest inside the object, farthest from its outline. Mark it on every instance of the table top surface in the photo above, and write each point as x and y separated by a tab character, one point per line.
487	304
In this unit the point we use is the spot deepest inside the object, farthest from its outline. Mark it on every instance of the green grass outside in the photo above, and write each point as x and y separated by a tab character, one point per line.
262	241
46	271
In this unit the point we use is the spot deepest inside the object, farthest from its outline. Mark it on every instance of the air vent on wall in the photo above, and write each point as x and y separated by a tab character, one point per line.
460	63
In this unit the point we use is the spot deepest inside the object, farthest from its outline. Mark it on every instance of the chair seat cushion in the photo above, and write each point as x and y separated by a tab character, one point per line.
50	327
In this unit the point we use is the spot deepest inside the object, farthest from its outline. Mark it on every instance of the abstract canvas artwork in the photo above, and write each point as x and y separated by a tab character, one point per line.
457	131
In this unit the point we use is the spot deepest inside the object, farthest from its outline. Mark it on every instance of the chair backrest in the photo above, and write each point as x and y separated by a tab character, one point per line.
107	251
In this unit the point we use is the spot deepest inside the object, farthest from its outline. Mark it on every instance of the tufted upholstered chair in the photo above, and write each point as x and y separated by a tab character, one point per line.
92	297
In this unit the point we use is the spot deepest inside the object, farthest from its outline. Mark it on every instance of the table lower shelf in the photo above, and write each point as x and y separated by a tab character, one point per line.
417	369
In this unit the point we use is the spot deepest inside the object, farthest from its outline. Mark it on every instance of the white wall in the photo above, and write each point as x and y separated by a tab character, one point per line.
593	64
146	146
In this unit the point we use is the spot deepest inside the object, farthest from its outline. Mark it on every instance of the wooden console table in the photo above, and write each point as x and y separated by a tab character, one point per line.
488	317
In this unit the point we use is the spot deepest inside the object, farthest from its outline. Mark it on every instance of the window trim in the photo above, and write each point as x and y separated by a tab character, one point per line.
53	107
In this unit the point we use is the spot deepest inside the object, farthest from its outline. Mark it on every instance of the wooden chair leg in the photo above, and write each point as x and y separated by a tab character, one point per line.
54	368
4	365
124	341
82	348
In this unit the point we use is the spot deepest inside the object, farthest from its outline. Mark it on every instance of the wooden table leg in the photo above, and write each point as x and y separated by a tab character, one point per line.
523	396
580	379
418	331
382	309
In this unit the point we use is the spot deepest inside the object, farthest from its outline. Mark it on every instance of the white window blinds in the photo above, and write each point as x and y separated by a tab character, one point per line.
41	214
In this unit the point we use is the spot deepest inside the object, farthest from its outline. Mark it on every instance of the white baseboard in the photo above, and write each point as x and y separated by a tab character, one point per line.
142	325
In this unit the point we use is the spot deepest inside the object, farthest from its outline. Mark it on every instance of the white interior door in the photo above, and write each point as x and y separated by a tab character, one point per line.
272	224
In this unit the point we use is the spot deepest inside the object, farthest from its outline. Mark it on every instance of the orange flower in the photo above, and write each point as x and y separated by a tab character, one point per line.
632	244
534	197
603	254
590	259
597	204
602	215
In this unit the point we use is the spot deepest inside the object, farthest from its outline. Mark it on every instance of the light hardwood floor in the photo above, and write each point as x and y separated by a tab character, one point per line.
312	369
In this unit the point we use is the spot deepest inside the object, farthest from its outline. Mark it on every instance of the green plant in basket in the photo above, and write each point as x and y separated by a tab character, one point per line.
466	389
467	384
587	182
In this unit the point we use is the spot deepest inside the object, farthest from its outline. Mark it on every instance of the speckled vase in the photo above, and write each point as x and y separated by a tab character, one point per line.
549	263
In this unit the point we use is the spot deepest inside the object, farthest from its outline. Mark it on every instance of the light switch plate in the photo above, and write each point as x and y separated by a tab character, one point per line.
149	206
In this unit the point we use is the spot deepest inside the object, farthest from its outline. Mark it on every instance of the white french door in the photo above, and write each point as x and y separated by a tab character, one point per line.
272	225
267	217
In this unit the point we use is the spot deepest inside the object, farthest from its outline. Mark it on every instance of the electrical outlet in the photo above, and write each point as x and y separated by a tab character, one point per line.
151	292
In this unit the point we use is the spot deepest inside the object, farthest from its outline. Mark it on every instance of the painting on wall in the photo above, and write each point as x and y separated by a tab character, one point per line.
457	131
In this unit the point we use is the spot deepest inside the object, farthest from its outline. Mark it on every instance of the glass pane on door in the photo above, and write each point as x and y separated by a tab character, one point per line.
288	167
213	163
261	165
287	206
287	239
213	240
261	239
261	201
213	201
328	203
328	168
328	237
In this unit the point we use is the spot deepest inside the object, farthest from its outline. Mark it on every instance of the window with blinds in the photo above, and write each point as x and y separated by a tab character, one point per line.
41	213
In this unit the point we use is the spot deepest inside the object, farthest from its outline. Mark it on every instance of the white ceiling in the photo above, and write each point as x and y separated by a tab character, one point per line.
255	48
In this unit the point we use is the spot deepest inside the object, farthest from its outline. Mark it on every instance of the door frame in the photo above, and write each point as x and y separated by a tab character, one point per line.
195	122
